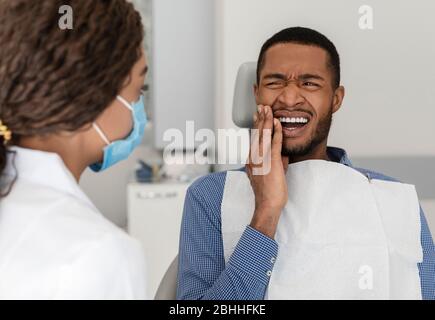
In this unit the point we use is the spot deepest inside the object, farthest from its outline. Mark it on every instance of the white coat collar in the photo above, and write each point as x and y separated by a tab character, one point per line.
46	169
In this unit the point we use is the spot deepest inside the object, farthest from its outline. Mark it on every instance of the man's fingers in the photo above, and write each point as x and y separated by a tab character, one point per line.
260	122
268	118
285	160
277	144
256	118
261	137
256	136
255	147
267	130
277	138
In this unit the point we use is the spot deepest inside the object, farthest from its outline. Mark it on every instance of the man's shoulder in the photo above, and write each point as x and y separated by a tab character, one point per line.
213	182
209	189
375	175
215	179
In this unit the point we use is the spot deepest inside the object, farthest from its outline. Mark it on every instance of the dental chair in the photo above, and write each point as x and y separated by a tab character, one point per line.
168	286
244	107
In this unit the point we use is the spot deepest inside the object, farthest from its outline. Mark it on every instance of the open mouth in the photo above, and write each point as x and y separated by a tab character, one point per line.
293	123
294	127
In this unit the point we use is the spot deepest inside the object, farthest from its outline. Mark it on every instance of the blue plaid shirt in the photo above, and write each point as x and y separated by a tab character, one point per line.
203	273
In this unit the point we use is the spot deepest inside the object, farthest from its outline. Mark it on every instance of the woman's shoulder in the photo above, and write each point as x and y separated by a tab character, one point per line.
58	221
86	255
82	225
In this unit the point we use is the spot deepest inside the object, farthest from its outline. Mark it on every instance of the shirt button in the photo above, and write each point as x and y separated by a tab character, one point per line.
272	260
269	273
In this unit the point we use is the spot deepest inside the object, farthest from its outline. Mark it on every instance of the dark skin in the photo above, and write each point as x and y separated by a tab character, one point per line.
295	81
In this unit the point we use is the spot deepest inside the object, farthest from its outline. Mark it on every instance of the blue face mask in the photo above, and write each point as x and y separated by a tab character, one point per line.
119	150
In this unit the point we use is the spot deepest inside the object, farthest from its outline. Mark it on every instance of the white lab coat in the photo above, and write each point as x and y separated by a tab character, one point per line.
54	243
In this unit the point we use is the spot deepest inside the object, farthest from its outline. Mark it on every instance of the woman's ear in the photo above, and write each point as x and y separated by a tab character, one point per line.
256	93
338	99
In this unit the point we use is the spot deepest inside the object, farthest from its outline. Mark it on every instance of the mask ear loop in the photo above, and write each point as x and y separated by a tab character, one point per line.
102	135
97	128
124	102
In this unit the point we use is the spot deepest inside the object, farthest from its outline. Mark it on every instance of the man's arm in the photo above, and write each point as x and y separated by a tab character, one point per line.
427	267
202	272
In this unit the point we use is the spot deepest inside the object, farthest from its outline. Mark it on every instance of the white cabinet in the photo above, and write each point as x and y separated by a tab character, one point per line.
154	218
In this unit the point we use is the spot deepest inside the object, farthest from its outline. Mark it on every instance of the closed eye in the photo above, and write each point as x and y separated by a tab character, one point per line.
276	84
311	84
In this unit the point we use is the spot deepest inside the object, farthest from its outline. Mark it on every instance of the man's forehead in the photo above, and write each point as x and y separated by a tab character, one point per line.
292	58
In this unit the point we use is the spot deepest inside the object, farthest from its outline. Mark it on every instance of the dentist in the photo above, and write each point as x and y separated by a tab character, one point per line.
69	99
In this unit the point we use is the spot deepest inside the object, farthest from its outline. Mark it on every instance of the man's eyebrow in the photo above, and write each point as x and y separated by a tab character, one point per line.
307	76
144	71
275	76
304	76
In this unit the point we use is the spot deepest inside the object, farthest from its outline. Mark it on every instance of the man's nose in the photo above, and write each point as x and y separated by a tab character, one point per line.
291	95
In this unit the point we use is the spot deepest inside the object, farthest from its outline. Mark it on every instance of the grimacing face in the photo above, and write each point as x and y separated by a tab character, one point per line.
297	83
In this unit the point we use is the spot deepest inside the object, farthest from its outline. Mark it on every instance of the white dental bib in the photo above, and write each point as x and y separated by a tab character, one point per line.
340	236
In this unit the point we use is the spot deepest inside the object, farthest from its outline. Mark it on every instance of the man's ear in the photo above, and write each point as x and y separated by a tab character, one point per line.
338	99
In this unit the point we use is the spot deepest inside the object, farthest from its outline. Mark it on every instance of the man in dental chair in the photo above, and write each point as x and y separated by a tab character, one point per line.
313	226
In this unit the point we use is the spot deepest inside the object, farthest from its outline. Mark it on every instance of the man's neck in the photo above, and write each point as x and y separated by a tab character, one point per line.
319	153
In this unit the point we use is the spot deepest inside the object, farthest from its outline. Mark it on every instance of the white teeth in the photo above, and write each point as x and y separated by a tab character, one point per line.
293	120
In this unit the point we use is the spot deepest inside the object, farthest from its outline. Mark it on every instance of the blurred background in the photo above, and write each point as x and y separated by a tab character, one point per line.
195	48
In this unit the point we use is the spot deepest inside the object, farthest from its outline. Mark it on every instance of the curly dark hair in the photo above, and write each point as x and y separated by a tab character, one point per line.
56	80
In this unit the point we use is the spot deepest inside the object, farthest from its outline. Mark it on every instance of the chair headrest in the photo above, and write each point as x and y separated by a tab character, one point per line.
244	104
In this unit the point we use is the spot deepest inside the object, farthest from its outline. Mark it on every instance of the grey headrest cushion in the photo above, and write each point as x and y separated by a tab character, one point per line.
244	104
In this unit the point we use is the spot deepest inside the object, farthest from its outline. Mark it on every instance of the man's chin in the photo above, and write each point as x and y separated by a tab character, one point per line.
306	144
296	150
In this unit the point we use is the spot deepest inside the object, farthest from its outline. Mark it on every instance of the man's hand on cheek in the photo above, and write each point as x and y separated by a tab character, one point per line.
266	170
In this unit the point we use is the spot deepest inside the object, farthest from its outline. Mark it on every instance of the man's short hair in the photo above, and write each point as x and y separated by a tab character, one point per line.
304	36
